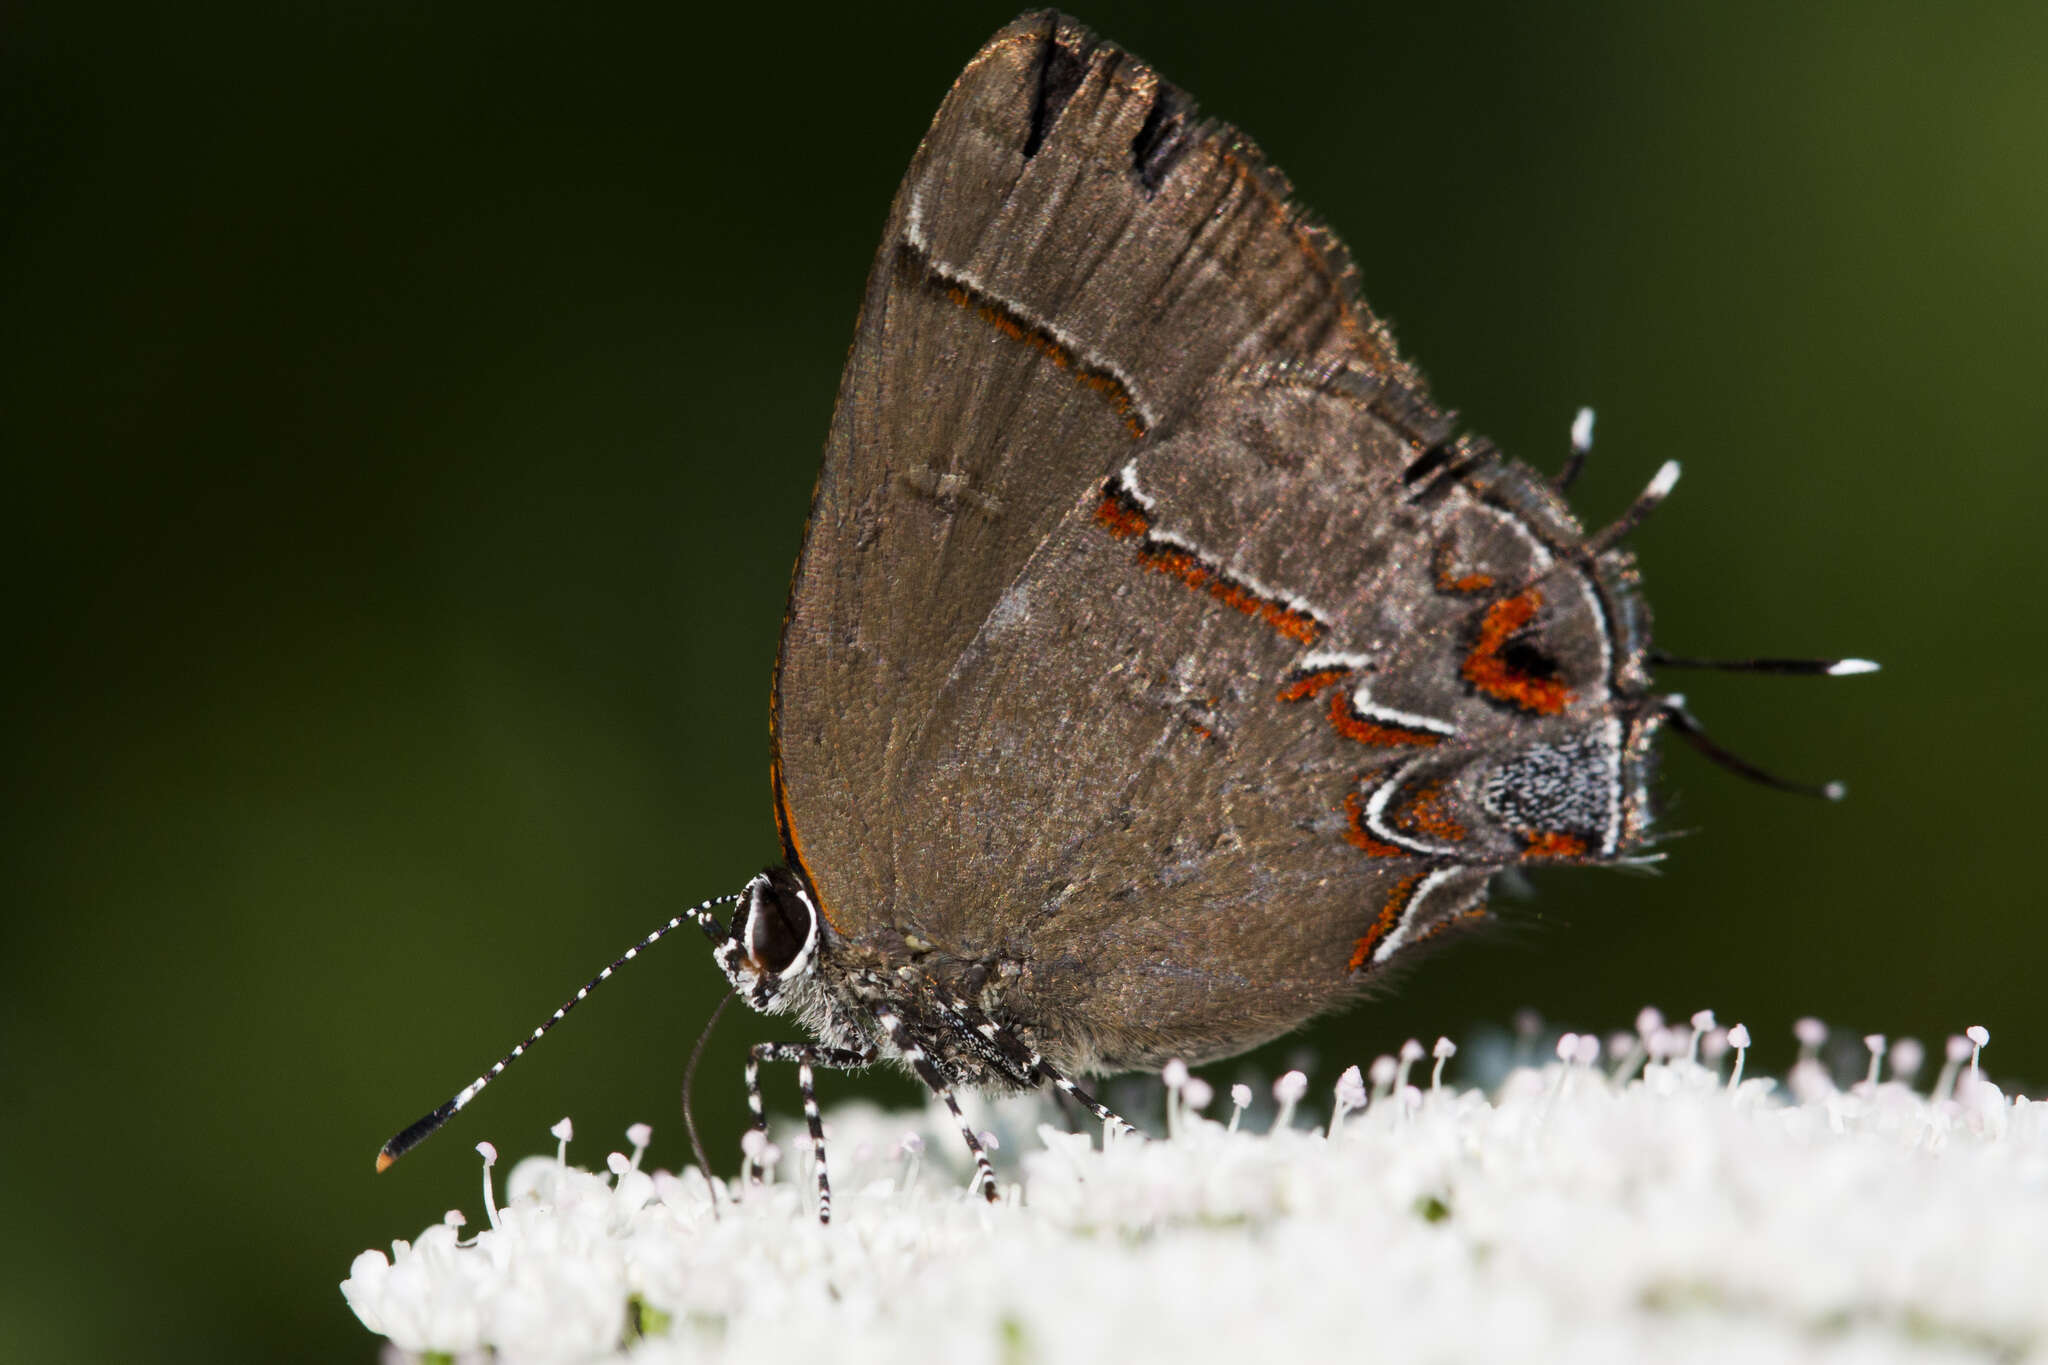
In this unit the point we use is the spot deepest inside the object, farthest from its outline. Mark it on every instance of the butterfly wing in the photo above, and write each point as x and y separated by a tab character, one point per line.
1120	465
1071	257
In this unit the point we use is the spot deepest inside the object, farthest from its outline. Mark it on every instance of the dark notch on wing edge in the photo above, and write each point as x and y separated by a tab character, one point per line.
1164	137
1433	458
1469	455
1060	71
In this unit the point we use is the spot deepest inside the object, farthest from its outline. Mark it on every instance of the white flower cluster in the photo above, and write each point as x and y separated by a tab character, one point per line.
1637	1201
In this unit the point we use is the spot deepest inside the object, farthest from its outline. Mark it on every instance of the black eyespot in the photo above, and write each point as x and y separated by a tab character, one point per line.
1526	659
778	922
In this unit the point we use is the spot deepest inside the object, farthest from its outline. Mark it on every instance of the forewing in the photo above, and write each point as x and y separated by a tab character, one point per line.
1072	257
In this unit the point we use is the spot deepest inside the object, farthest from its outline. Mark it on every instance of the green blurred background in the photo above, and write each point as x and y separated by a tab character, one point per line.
409	415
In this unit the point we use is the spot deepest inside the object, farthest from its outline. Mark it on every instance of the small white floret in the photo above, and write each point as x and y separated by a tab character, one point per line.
563	1131
1288	1091
1240	1100
1411	1053
1444	1050
1351	1089
1350	1095
490	1156
1958	1051
1702	1024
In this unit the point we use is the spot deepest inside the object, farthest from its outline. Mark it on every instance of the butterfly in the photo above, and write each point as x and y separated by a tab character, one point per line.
1162	665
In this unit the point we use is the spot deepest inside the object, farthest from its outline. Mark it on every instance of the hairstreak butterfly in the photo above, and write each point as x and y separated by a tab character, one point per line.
1161	663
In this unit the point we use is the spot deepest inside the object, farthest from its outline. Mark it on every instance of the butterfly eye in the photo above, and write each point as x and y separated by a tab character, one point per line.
780	924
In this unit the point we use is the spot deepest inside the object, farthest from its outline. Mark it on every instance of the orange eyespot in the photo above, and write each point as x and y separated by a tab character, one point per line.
1492	669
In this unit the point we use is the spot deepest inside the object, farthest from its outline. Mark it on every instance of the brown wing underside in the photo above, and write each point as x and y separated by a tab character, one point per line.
1146	776
1049	285
1118	456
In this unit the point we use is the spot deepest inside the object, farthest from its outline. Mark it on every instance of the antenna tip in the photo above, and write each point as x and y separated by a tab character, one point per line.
1845	668
1664	482
384	1160
1835	791
1582	431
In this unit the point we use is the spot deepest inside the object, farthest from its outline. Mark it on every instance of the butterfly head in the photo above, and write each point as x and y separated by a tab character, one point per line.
772	946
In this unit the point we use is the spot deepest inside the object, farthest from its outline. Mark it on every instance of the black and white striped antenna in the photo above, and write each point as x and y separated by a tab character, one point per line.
413	1134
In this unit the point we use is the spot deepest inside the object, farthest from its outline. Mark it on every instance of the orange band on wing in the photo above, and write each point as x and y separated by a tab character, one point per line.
1487	670
792	844
993	313
1123	517
1428	812
1357	836
1308	684
1552	843
1351	725
1126	518
1389	916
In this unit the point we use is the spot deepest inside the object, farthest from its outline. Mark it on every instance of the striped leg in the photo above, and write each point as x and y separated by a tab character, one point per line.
1103	1113
807	1088
913	1052
806	1056
1018	1059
